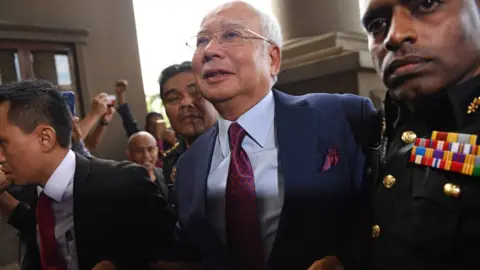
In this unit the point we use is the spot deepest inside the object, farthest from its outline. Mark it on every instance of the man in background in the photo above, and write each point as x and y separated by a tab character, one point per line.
154	122
142	149
73	212
190	114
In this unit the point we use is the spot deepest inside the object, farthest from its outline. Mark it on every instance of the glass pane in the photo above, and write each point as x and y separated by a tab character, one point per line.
62	65
17	66
9	67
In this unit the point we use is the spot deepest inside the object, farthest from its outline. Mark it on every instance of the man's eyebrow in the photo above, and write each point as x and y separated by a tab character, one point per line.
225	24
232	23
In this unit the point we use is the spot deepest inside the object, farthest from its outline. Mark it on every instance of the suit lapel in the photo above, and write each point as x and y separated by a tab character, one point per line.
201	169
197	216
295	127
82	170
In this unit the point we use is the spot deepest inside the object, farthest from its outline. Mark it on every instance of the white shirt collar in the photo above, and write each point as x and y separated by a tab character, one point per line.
256	121
61	177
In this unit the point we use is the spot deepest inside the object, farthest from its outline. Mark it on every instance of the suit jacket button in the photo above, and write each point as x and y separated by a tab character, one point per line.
452	190
408	136
375	231
389	181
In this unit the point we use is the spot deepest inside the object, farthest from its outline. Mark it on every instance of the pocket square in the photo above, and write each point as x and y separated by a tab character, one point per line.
331	160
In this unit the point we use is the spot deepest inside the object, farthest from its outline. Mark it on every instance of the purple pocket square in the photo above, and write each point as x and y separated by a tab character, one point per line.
331	160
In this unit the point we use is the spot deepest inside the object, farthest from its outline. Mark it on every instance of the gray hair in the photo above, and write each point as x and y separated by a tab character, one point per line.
270	27
271	30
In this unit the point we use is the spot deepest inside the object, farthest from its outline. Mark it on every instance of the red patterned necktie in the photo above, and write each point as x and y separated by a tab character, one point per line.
242	222
49	254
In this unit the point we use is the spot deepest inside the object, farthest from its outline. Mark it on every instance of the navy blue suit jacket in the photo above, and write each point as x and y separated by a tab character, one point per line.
324	213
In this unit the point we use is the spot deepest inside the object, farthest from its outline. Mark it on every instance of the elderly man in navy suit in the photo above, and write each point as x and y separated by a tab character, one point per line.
278	182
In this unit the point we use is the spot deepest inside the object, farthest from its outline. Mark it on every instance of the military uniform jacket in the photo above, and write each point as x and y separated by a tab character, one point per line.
427	214
170	159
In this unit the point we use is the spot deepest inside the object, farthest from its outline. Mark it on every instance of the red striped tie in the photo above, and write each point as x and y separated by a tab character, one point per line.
49	254
242	222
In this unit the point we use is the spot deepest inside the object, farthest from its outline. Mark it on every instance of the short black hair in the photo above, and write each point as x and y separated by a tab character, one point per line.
35	102
153	114
172	71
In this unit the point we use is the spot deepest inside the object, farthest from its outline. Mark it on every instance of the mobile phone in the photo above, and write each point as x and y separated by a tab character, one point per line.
111	100
69	97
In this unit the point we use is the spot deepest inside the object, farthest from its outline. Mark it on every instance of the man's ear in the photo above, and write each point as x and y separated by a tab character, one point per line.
46	136
275	55
129	155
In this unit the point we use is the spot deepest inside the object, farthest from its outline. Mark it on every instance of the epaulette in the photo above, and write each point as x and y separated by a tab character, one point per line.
175	146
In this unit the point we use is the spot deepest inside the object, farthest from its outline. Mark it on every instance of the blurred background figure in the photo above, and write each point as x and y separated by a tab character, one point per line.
143	150
154	122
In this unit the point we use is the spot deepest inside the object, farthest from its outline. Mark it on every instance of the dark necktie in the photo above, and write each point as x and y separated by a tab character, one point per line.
49	253
242	222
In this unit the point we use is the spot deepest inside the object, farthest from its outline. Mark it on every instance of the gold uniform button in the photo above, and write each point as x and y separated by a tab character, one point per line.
408	136
389	181
452	190
375	231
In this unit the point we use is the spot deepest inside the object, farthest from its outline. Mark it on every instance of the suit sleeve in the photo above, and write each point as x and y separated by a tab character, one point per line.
185	250
23	219
23	216
146	224
362	118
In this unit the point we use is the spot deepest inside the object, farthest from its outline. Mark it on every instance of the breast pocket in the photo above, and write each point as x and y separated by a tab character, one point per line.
332	182
432	216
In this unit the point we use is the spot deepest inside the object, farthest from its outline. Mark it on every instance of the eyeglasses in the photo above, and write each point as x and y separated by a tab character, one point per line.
235	36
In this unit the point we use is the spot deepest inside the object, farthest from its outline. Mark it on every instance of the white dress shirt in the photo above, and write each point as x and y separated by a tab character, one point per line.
262	150
59	188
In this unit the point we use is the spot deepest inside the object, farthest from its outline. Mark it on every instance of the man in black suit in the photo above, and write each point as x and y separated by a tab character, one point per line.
86	213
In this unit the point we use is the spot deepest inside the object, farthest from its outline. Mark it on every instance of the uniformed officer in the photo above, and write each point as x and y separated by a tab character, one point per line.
170	158
189	113
427	198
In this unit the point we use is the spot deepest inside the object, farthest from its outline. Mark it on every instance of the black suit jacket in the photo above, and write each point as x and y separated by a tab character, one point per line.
119	215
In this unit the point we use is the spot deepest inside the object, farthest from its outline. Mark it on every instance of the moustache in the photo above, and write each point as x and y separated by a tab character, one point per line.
405	50
184	114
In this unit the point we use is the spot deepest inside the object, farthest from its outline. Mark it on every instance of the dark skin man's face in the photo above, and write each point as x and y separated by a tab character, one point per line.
419	47
189	112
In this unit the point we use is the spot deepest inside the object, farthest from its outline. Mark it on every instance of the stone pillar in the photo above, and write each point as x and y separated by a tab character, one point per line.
325	48
302	18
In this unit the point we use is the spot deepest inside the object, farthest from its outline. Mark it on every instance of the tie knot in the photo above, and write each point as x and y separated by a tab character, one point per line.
236	134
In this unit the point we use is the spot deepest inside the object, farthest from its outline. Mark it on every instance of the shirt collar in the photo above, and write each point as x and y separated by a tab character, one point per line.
461	96
256	122
61	177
